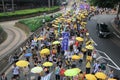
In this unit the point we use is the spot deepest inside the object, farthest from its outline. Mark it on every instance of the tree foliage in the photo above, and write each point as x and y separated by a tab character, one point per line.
104	3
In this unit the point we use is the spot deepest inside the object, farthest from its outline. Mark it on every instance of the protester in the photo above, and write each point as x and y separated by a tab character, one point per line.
3	77
88	67
16	71
60	55
96	66
57	71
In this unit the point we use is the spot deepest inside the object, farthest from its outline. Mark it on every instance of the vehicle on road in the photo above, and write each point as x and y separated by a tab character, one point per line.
102	30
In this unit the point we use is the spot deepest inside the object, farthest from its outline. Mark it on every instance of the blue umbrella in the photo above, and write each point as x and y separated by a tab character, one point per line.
28	54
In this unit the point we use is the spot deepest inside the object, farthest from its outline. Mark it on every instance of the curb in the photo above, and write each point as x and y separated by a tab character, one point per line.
115	26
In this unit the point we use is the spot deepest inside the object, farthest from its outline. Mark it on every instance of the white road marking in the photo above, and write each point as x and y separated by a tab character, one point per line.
115	65
116	34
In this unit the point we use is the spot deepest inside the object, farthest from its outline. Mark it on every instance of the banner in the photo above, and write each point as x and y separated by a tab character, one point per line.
65	40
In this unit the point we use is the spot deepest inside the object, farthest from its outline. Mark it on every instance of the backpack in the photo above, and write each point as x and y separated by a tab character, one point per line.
103	66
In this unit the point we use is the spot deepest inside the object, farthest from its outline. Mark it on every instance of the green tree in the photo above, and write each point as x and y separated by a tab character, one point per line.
104	3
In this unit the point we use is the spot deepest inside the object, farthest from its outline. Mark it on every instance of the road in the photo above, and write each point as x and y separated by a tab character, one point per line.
15	37
110	46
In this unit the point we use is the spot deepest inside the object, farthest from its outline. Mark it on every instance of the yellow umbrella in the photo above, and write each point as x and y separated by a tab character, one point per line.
72	72
83	23
40	38
56	42
45	51
112	79
89	42
75	57
90	77
37	69
101	75
82	16
55	25
62	18
47	64
79	39
22	63
90	47
84	49
35	39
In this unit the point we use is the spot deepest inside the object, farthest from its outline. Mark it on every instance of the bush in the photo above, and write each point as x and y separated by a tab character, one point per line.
37	22
28	11
3	35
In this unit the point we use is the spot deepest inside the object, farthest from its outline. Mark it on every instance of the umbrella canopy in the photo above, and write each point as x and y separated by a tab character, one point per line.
100	75
56	42
36	69
75	57
45	51
84	49
28	54
79	39
22	63
90	77
47	64
72	72
90	47
35	39
112	79
55	25
40	38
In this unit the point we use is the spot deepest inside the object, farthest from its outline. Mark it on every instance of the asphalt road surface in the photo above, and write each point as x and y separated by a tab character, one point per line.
110	46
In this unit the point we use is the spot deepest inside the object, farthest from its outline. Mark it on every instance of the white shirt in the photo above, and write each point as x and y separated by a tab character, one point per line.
16	70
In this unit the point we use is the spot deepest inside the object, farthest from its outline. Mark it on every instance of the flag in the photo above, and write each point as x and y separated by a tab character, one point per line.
59	28
47	77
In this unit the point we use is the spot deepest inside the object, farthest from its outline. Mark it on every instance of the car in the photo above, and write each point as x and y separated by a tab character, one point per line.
102	30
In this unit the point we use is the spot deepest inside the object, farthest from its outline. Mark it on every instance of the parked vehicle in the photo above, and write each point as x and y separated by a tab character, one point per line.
102	30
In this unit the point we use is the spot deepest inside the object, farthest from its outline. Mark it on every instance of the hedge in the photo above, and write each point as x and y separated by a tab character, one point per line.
28	11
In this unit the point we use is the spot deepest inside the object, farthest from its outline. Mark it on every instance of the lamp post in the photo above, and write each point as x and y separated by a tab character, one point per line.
49	3
13	5
52	2
3	5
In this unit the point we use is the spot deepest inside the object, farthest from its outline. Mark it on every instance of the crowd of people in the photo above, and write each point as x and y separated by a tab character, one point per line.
80	51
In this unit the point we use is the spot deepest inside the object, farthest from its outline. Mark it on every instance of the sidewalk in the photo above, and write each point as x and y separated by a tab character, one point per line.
116	28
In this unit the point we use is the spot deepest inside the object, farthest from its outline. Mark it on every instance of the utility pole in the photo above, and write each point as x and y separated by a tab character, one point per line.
12	5
52	2
49	3
3	6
